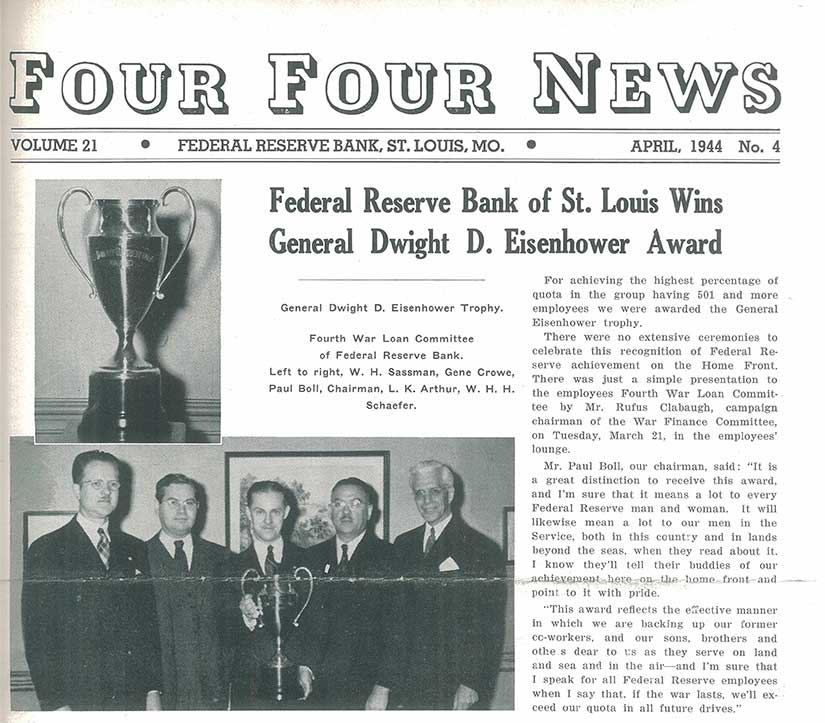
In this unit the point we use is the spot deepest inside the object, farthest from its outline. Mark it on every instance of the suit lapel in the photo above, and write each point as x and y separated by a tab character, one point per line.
418	538
88	557
418	560
363	553
322	559
161	557
287	558
200	566
331	555
249	560
121	562
444	544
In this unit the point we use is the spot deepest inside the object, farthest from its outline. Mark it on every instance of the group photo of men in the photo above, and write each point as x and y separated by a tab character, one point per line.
364	615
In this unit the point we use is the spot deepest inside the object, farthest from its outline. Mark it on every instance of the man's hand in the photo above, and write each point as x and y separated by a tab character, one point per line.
305	678
251	611
153	700
379	698
464	698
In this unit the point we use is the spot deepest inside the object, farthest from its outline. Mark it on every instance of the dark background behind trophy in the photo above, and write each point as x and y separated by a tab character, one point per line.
180	334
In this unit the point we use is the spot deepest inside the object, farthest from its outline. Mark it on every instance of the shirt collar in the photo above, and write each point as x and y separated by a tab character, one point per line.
169	543
262	547
351	546
90	527
438	527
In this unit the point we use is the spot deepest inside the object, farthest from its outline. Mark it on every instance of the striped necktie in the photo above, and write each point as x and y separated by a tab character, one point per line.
104	549
270	566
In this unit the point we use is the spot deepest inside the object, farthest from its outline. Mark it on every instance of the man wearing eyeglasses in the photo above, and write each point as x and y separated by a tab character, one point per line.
187	572
89	620
346	643
453	600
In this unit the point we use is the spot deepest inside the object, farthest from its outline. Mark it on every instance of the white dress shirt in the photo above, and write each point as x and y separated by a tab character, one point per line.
438	527
262	547
91	527
169	543
351	546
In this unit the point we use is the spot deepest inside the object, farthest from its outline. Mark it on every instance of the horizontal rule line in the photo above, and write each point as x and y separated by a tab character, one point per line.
393	280
697	161
213	129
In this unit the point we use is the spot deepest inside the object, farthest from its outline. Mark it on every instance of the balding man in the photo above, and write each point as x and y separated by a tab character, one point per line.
453	614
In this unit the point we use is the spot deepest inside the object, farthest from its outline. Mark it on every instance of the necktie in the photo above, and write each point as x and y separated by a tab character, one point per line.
430	542
104	549
343	565
181	563
270	566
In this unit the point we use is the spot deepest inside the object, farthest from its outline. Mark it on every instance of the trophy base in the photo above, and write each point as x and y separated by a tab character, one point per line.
124	406
281	682
263	687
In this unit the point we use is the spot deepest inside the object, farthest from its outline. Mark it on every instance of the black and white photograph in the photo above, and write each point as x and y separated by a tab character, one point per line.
307	476
127	311
130	594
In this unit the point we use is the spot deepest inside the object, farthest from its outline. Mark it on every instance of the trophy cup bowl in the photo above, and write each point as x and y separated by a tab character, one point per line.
126	257
281	609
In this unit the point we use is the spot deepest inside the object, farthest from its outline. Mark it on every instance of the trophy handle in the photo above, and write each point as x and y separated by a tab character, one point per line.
253	576
185	194
309	577
61	229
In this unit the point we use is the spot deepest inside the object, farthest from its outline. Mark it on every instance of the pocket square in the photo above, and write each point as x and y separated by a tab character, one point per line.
448	565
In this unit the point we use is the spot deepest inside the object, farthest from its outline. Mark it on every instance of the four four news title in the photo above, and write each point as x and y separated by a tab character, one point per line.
352	88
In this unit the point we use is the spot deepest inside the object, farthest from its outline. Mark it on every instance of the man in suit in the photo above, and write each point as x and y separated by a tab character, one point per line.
347	643
187	578
453	617
89	620
251	626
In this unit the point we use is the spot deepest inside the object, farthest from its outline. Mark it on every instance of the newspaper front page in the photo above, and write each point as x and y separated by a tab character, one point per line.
422	356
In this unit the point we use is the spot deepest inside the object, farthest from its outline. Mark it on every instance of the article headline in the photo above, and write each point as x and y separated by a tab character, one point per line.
567	200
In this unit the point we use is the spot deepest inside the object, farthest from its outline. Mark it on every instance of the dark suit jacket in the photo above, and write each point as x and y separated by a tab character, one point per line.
348	635
453	619
191	636
91	634
250	650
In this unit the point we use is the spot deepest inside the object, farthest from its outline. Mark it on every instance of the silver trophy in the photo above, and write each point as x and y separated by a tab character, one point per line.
126	256
280	609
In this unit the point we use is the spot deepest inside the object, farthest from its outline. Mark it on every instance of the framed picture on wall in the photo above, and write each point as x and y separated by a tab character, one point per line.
508	533
309	476
37	524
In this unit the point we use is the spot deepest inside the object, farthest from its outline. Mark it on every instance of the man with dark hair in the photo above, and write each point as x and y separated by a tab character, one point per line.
347	643
454	614
187	574
267	508
89	620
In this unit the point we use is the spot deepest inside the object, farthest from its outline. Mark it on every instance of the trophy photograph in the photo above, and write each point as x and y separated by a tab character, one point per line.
138	267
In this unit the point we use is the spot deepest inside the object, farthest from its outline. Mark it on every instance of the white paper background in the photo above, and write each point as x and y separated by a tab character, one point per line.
770	221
